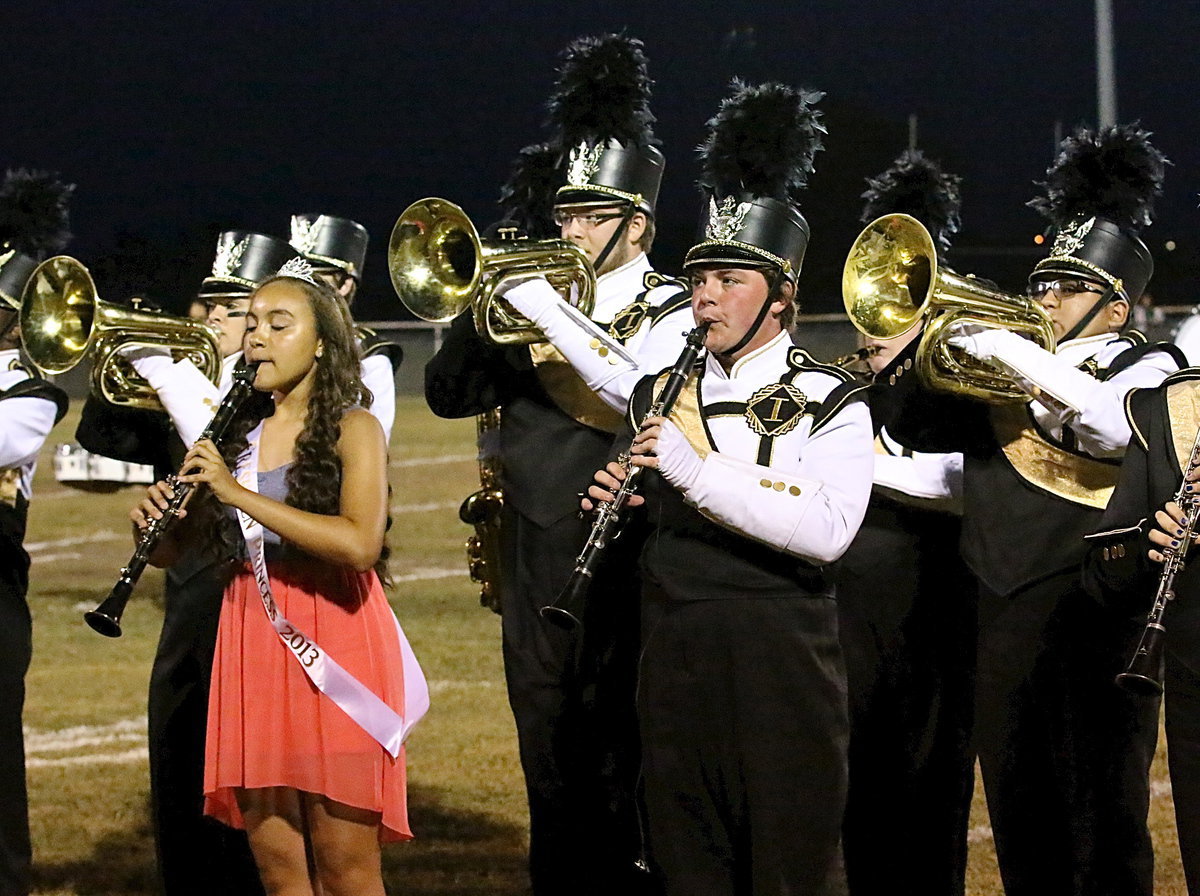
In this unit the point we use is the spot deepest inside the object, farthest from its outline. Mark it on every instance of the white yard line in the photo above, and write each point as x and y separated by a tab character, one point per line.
426	574
136	755
431	461
93	538
425	508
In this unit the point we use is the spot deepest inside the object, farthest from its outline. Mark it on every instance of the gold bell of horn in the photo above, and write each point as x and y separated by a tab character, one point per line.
440	266
63	321
892	280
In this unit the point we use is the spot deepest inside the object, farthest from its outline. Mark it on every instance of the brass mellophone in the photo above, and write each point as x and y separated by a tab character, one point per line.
1144	672
106	618
567	609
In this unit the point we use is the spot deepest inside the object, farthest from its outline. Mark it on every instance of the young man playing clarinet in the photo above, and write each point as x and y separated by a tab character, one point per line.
764	471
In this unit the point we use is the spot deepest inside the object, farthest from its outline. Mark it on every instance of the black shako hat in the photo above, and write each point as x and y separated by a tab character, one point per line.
916	185
34	224
327	241
243	261
756	160
1100	194
600	115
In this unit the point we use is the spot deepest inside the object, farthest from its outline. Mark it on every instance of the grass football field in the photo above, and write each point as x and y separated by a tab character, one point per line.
85	713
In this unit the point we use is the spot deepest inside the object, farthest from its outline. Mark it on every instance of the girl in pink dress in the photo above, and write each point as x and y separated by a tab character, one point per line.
314	790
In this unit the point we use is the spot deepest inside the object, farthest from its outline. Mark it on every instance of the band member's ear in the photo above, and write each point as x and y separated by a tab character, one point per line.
320	349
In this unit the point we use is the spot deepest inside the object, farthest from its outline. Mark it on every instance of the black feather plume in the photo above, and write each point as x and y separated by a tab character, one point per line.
1114	173
33	212
603	91
916	185
762	141
528	196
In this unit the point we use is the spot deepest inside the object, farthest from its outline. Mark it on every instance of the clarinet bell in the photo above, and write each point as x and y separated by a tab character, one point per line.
567	610
106	618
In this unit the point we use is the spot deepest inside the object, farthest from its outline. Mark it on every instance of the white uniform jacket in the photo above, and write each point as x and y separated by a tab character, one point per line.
25	422
785	447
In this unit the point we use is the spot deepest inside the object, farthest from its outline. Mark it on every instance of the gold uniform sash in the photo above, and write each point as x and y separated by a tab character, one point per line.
9	480
569	392
1074	477
1183	406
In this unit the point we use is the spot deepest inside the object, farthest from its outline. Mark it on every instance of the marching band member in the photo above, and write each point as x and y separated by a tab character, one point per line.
1124	563
1065	755
29	409
195	854
573	703
906	620
337	249
765	468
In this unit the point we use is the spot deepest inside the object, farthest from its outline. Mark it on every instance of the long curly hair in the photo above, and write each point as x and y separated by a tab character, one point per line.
315	477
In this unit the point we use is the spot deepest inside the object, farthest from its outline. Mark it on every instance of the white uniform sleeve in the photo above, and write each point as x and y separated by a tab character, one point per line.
186	393
1094	409
379	376
935	477
812	512
1187	337
25	424
597	357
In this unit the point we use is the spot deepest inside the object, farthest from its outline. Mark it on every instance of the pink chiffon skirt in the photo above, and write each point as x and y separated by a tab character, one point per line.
269	726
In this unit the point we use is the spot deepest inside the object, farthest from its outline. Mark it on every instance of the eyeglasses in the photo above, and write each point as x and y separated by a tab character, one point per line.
593	219
1064	288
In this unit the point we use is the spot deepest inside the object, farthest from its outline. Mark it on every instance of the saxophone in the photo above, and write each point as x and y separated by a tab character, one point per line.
482	509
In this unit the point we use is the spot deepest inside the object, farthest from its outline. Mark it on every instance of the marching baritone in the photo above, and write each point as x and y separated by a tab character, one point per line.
906	621
572	701
764	475
1065	756
29	409
1141	523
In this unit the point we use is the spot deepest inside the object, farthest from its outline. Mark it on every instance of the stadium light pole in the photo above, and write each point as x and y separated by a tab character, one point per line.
1106	73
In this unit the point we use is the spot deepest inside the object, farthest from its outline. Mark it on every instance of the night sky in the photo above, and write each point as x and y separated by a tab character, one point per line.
179	120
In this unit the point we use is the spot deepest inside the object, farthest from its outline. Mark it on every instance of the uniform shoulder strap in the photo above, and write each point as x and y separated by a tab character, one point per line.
36	387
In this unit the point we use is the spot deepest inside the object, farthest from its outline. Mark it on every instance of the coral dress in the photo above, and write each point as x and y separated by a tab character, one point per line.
268	725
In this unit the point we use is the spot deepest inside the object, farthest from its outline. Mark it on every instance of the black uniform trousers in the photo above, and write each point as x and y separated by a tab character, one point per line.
1182	684
907	618
742	708
1065	754
196	854
16	650
573	702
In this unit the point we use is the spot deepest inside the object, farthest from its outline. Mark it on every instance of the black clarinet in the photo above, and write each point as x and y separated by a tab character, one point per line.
1144	674
567	609
106	618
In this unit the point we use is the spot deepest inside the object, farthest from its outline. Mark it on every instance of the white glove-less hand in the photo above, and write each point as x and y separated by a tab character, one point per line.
677	460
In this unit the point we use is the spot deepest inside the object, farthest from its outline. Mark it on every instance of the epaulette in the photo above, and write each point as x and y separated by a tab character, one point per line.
1138	349
655	279
35	387
799	359
393	352
1143	399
